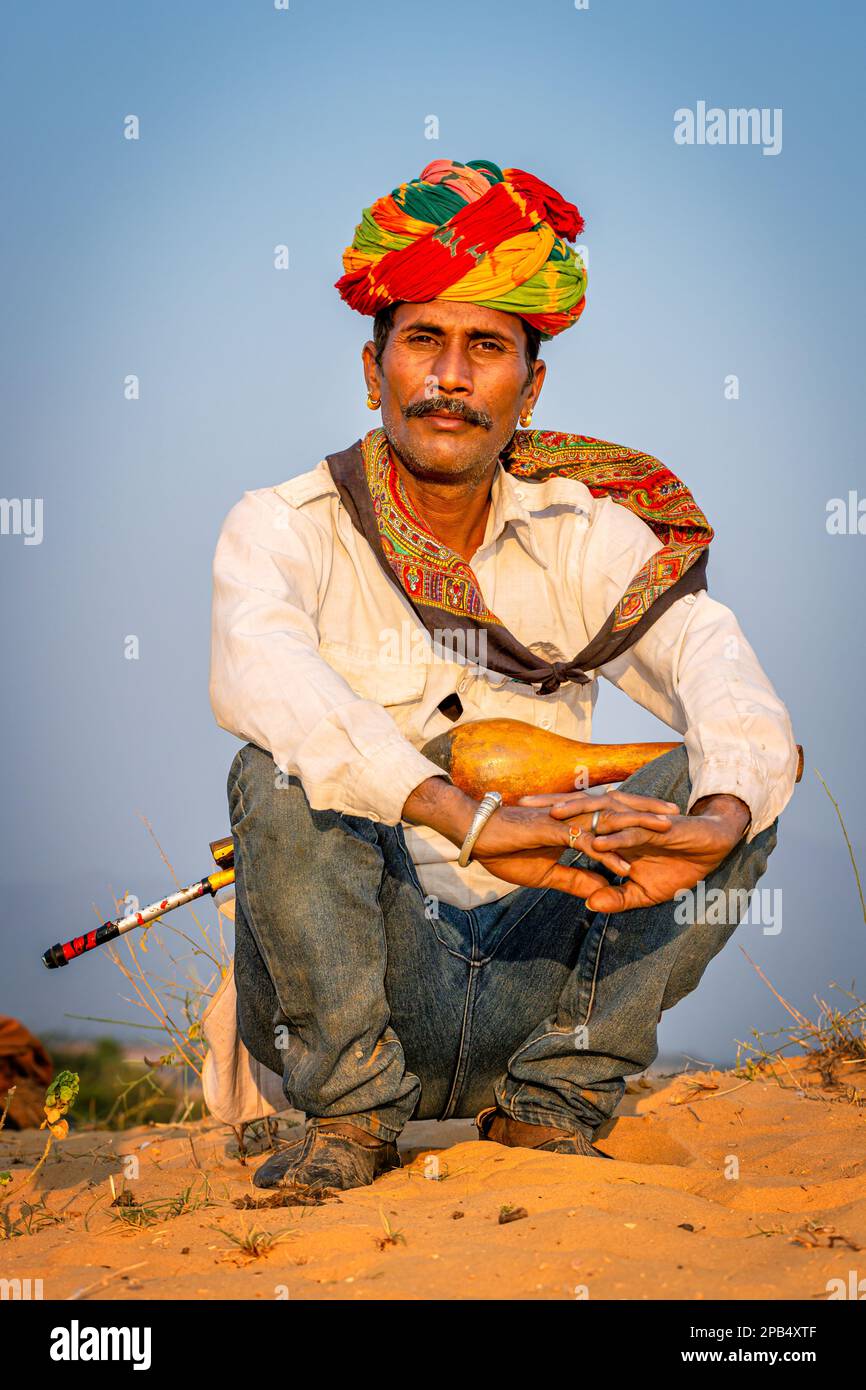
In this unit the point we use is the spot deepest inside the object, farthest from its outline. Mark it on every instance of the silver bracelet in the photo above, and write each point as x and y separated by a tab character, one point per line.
490	802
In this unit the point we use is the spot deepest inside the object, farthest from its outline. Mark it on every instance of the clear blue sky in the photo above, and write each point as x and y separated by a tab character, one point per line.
154	257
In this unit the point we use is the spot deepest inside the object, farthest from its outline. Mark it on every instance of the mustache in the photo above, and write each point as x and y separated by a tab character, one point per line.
446	405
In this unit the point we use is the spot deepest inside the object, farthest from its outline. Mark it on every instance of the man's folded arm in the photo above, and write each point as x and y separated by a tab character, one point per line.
695	670
269	684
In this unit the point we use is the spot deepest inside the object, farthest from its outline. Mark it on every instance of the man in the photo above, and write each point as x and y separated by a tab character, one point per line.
380	978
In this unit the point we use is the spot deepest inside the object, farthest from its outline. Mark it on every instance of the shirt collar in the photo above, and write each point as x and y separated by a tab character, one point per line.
508	503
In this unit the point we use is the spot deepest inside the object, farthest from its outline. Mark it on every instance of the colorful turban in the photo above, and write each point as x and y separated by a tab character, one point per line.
473	233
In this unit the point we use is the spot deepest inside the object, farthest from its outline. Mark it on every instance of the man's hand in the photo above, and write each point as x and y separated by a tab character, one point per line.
662	862
513	846
523	843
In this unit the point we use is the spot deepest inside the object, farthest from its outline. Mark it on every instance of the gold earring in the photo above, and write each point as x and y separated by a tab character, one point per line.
371	404
526	419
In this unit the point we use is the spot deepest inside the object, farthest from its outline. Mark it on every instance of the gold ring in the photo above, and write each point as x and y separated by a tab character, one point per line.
571	835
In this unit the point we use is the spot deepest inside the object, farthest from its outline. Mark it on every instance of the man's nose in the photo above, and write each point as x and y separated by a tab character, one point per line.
453	369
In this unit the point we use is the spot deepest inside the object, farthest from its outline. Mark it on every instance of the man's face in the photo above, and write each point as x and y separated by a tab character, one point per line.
452	381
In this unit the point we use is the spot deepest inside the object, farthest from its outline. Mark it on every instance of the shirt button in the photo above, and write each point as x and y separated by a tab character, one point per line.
690	598
545	722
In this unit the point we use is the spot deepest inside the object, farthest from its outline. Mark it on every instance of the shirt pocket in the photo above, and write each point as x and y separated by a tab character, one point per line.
390	683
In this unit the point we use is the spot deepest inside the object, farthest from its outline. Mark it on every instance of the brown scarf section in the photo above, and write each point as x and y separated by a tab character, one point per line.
442	589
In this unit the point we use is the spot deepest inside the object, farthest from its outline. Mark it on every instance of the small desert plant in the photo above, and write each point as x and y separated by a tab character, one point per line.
836	1036
391	1237
131	1213
59	1099
256	1243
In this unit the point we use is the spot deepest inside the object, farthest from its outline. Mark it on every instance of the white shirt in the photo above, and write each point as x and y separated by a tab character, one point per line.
318	659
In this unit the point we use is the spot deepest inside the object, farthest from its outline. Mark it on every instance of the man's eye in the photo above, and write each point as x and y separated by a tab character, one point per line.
422	338
489	343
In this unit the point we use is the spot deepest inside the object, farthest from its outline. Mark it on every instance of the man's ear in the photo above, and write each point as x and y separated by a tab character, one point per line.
371	369
539	371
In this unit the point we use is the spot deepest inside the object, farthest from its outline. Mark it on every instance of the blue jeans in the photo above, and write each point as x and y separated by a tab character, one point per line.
372	1007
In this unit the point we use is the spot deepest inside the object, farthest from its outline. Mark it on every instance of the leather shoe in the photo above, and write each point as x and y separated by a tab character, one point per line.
498	1128
331	1153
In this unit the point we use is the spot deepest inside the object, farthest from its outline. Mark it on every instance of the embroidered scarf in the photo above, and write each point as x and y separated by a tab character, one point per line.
442	589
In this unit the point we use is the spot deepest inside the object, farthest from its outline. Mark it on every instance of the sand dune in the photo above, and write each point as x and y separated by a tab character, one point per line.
721	1189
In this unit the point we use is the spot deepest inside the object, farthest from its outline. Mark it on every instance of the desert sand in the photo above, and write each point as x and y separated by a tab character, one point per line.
721	1188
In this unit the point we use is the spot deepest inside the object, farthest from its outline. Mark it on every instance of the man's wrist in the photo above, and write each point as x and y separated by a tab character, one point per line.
727	808
443	807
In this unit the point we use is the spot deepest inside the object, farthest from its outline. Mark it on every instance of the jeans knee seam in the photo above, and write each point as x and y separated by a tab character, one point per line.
595	972
523	1046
